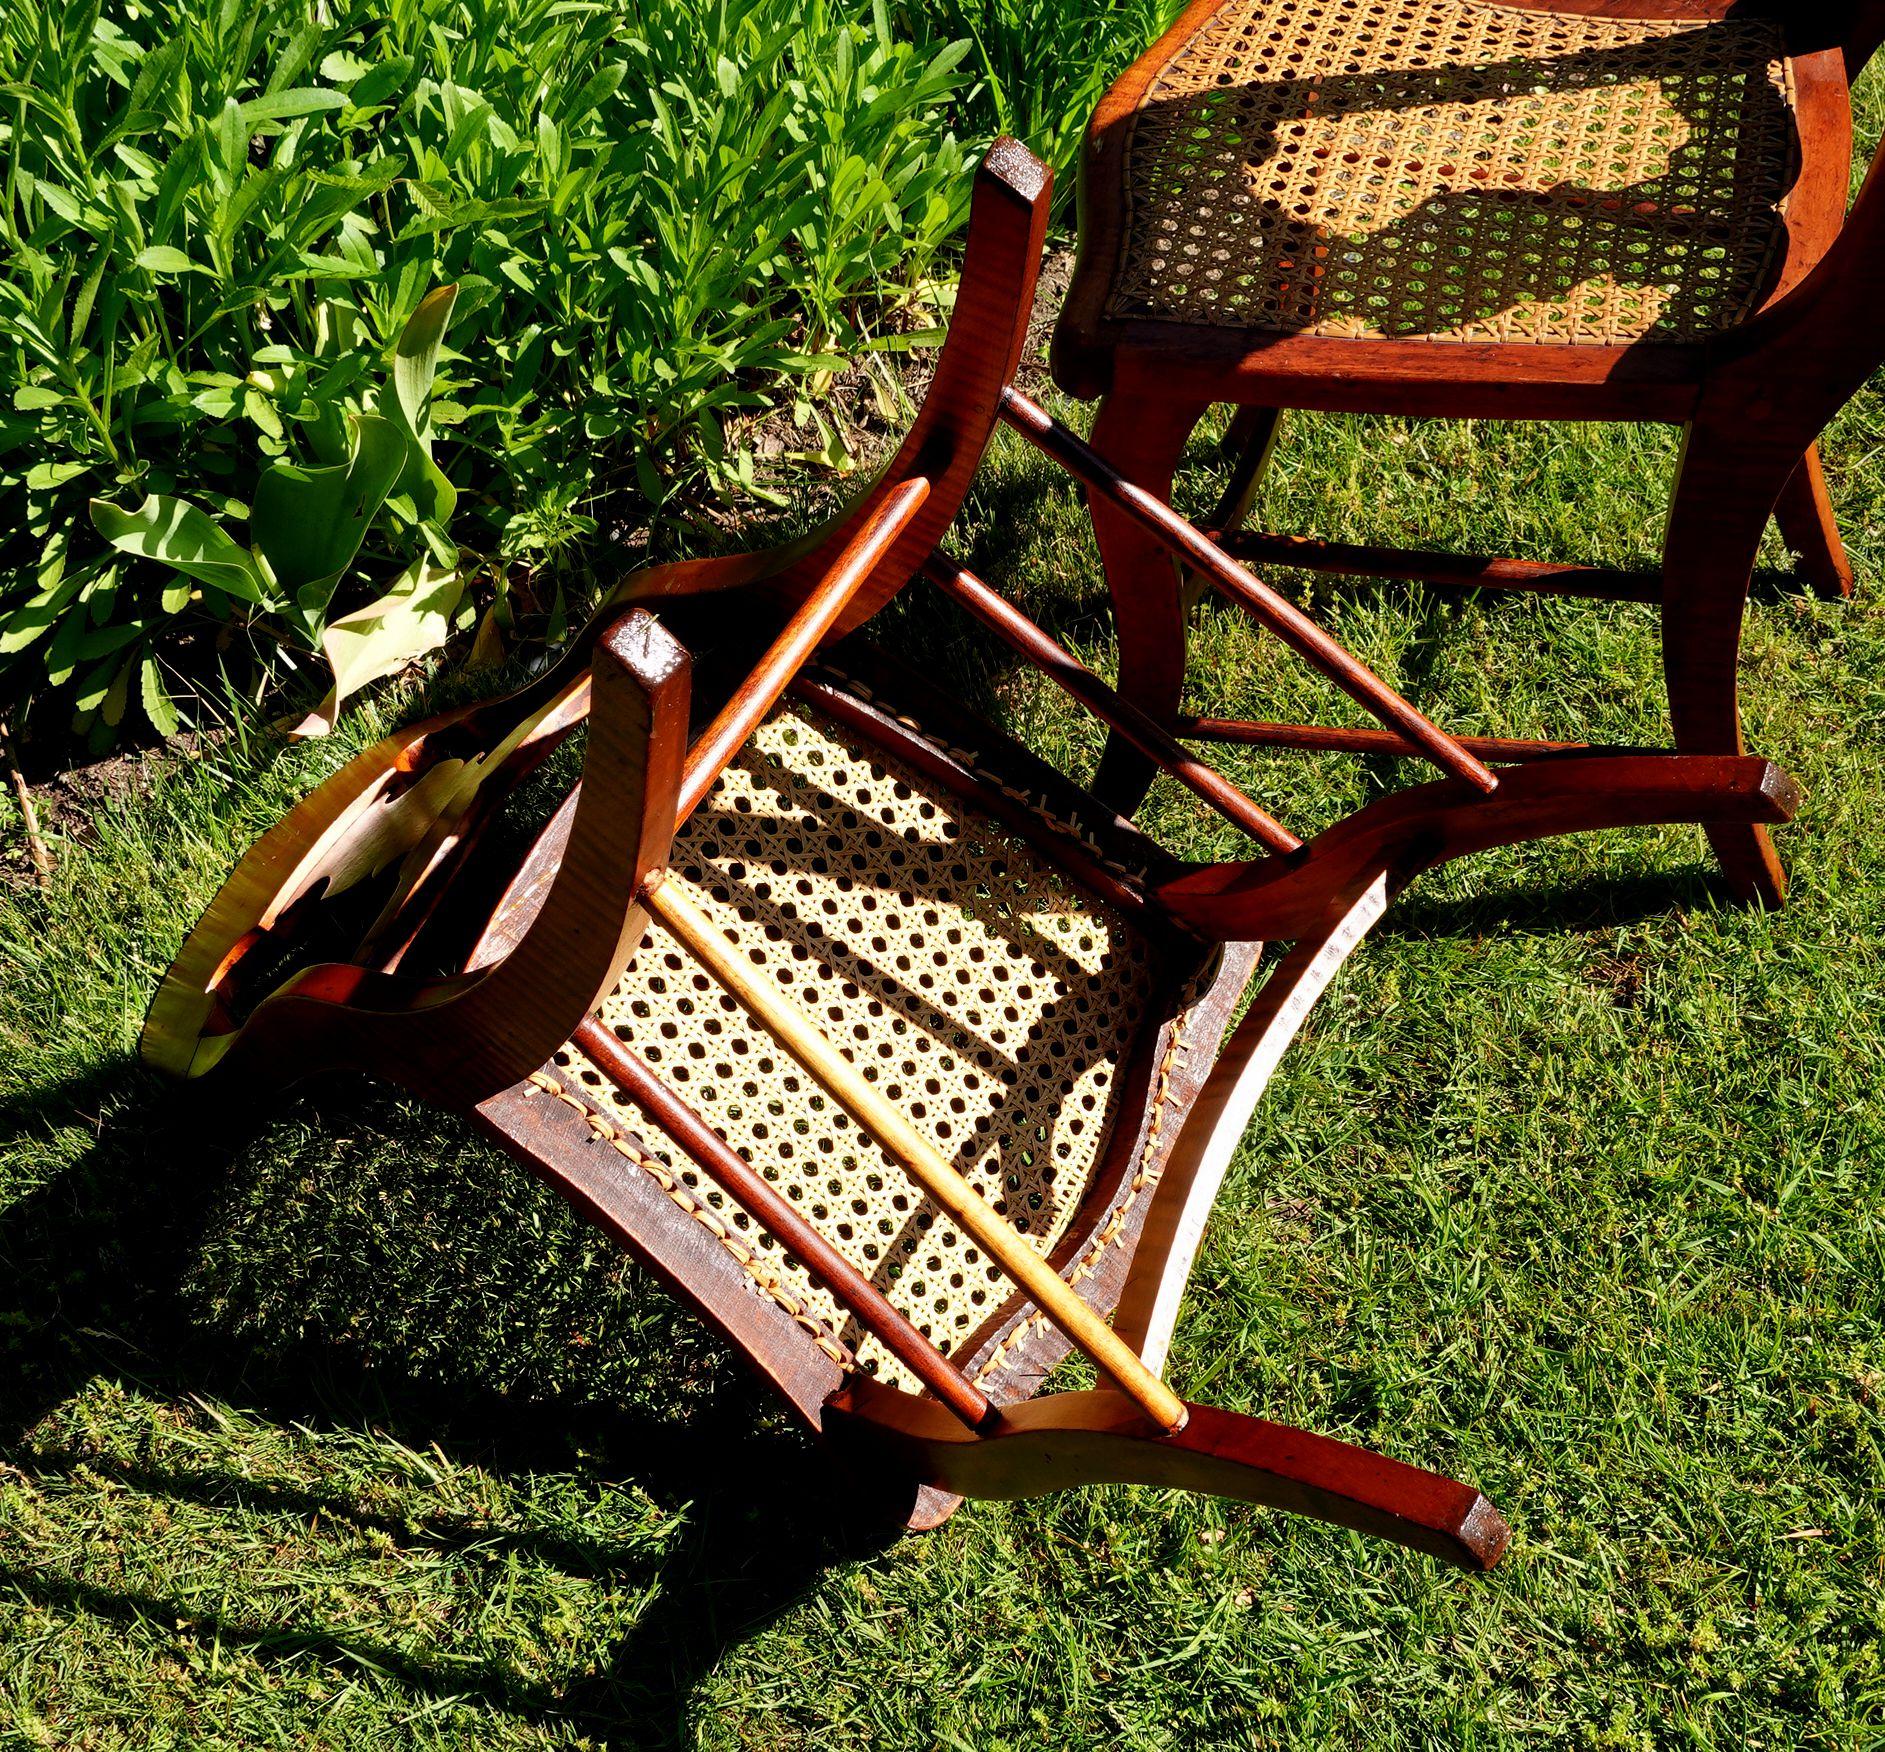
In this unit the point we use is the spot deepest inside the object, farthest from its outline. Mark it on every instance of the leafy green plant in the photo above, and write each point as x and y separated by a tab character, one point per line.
215	215
1044	64
308	524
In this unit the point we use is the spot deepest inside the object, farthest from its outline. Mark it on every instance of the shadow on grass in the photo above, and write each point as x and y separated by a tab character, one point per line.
97	1279
1593	903
95	1267
94	1280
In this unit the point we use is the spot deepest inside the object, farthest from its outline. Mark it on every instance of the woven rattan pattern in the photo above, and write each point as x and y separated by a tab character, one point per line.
1451	170
981	991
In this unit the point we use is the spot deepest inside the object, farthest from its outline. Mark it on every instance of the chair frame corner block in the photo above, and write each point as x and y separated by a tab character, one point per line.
381	927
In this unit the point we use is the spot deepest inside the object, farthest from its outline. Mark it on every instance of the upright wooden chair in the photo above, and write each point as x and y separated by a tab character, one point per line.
882	1043
1497	209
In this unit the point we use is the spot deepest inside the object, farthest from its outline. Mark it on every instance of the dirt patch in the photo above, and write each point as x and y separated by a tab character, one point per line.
1622	976
871	403
68	802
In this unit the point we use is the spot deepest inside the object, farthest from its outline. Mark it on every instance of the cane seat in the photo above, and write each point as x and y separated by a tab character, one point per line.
1456	170
989	996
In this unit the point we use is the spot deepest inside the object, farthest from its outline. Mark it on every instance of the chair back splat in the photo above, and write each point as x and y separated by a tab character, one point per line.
885	1044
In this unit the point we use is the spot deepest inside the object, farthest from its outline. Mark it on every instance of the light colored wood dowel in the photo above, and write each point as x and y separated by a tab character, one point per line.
759	693
669	900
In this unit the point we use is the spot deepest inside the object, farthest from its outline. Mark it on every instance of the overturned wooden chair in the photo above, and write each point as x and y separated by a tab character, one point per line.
887	1047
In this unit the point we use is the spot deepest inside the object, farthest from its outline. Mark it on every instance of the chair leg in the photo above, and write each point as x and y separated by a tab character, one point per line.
1248	447
1723	498
1069	1439
1143	438
1807	525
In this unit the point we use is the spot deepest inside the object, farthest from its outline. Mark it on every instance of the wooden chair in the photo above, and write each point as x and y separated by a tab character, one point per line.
1498	209
881	1042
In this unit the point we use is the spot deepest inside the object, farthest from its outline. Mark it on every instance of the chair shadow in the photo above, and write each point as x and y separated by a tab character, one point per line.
1700	233
1575	908
94	1272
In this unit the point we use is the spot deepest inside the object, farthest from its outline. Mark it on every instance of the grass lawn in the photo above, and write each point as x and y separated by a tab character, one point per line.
331	1429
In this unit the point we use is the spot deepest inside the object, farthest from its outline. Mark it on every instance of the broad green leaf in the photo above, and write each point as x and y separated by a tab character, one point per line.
157	706
423	482
43	476
283	106
31	619
343	67
416	355
119	694
412	618
381	82
415	363
308	523
178	534
160	258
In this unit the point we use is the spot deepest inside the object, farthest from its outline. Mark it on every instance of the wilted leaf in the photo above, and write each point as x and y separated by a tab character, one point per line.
412	618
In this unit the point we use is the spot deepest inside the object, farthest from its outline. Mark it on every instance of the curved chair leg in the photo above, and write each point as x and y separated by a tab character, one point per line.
1276	900
1069	1439
1248	447
1807	525
1174	1226
1143	437
1722	501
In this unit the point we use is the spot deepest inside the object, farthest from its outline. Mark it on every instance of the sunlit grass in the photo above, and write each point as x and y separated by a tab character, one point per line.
330	1428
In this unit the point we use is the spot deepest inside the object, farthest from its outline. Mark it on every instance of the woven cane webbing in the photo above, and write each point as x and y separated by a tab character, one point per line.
1454	170
979	989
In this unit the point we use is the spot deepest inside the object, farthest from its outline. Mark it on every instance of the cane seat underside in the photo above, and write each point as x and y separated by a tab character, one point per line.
982	991
1457	171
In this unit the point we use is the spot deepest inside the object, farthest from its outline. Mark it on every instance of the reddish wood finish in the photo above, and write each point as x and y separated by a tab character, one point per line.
1410	831
398	828
1338	739
881	526
460	1039
759	1197
1753	402
1462	571
1210	562
1060	665
1810	530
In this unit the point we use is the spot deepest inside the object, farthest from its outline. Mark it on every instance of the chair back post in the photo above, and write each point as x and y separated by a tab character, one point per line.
1822	339
987	330
626	813
462	1039
1788	371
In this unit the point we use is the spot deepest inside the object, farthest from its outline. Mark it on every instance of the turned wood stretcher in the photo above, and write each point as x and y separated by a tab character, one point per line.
885	1045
